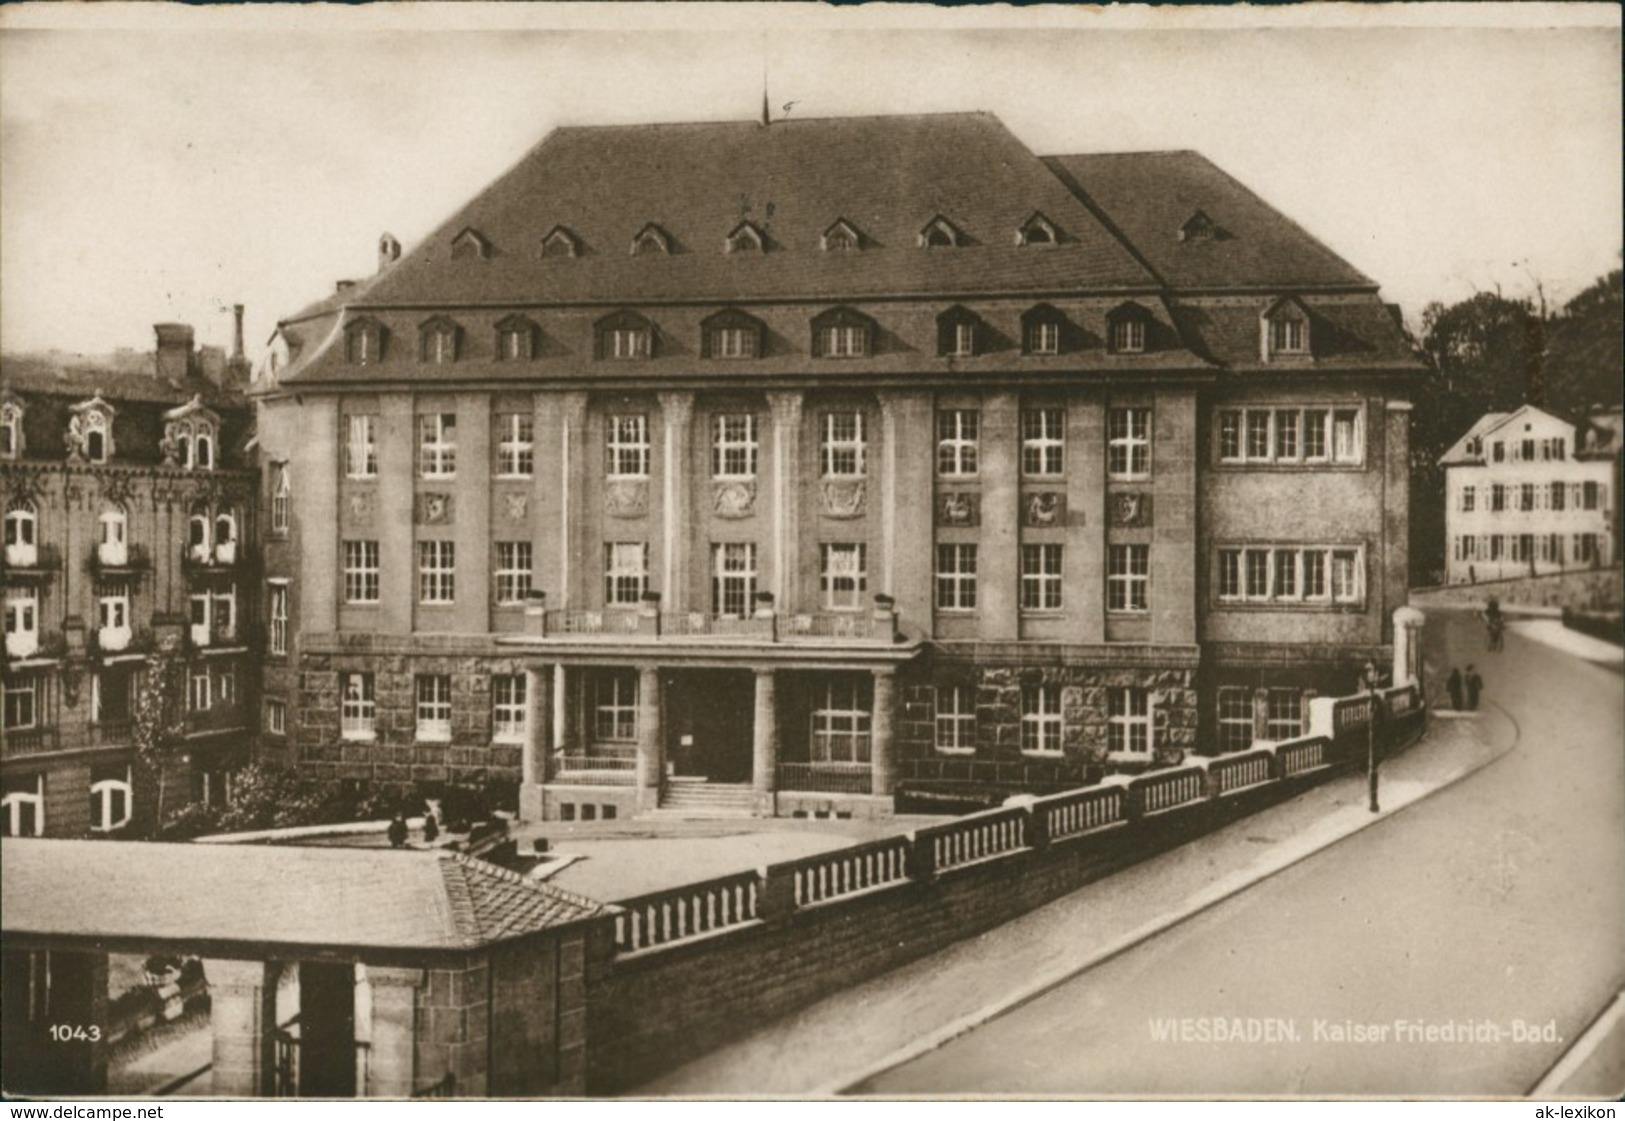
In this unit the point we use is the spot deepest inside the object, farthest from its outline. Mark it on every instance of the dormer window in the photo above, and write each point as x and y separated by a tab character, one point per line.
732	334
470	243
190	435
1198	227
841	236
1037	230
1128	326
561	242
625	335
746	238
939	233
11	429
651	239
516	339
90	432
959	333
842	333
1043	330
364	342
1285	329
437	341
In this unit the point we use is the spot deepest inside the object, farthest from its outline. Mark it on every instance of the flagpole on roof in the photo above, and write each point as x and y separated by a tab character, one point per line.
766	120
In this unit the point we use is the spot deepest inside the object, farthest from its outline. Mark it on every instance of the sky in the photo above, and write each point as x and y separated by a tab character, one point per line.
161	163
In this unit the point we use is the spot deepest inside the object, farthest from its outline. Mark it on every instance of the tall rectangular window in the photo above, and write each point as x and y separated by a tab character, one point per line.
1128	446
1041	577
956	577
1526	496
1590	496
615	706
957	442
22	621
361	446
22	701
201	693
733	446
516	445
626	443
1284	714
1291	574
733	578
437	445
1043	442
1555	497
276	717
1469	499
513	571
840	721
1314	435
437	571
1128	578
433	707
843	450
846	342
626	572
1041	720
358	709
361	572
843	575
281	501
1498	497
1128	721
1235	720
279	620
508	708
956	719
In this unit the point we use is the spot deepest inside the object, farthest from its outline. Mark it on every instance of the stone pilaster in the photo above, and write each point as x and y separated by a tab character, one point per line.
677	410
765	755
998	555
787	410
538	736
651	738
242	1013
572	496
882	740
391	1064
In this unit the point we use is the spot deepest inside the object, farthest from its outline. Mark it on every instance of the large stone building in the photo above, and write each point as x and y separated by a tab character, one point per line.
1528	493
806	466
130	524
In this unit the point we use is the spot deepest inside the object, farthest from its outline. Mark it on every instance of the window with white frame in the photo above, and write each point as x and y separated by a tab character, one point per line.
96	428
956	719
843	449
1128	578
437	571
361	572
1043	336
1556	496
626	444
615	706
1293	435
22	535
23	806
1041	577
508	717
1128	335
956	577
278	639
1128	721
225	539
113	533
225	685
361	446
849	340
11	430
963	343
733	577
197	606
1469	499
437	445
439	342
1128	443
626	572
626	342
1591	496
281	496
358	707
733	342
22	621
1526	496
843	575
733	446
841	715
516	338
276	717
22	701
1498	497
1291	574
958	432
1041	721
110	798
433	708
513	571
201	691
225	613
1235	723
113	615
1043	442
1288	334
1283	714
516	445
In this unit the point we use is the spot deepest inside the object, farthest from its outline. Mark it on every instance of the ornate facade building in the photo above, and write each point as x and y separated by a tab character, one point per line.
828	466
130	526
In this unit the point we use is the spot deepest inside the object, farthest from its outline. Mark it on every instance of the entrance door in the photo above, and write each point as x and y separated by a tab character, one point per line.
326	1030
711	715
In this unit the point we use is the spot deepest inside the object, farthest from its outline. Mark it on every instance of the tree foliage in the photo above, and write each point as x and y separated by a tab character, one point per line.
158	716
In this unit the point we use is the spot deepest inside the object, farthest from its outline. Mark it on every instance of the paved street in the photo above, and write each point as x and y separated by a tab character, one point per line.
1496	900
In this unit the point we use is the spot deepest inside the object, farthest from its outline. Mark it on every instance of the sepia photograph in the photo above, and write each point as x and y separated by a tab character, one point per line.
789	551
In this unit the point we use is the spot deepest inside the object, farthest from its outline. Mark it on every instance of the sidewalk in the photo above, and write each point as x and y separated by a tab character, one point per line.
846	1038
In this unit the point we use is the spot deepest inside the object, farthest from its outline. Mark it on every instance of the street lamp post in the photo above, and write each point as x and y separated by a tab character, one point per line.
1372	682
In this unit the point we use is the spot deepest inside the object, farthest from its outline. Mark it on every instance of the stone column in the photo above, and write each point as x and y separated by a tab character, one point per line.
786	408
882	764
572	499
1408	623
765	758
909	553
561	713
651	738
391	1066
677	409
533	757
242	1012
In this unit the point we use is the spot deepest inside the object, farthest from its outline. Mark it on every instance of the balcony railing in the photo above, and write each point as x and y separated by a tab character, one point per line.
691	911
626	622
112	733
1032	776
30	741
23	646
31	560
205	557
110	558
826	778
593	770
220	718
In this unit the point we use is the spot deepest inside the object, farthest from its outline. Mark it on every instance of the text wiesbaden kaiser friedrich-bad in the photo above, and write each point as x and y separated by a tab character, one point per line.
1272	1029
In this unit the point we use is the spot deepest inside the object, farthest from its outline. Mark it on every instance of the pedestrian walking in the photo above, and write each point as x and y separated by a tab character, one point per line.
431	828
1494	623
1474	685
1453	684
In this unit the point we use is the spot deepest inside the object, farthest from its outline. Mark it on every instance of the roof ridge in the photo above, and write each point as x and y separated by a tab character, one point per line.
755	122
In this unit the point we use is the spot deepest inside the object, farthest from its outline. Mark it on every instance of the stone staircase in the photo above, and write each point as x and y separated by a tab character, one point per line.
687	796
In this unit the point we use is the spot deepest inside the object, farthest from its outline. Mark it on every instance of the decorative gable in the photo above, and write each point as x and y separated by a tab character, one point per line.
746	237
560	241
90	431
651	239
1038	230
1284	330
12	442
470	243
841	236
939	233
191	436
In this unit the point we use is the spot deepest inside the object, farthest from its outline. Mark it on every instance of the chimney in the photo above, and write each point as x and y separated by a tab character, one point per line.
174	351
237	333
389	251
